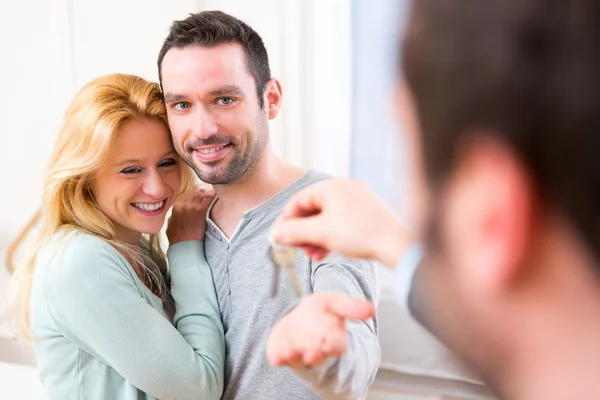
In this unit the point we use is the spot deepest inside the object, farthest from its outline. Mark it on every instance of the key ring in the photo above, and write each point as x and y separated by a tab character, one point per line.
283	257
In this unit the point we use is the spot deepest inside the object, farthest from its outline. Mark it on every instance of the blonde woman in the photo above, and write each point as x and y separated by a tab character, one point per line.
92	297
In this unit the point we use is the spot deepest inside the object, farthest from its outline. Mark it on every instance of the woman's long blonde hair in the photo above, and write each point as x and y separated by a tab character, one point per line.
89	126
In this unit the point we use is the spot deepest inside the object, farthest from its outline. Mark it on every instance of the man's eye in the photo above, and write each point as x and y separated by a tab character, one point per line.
131	170
225	101
181	106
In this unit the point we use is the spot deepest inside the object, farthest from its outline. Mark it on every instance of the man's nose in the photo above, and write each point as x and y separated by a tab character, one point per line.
204	124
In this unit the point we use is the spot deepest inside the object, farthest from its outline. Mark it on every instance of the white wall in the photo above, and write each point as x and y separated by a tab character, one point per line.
36	86
121	36
51	48
376	137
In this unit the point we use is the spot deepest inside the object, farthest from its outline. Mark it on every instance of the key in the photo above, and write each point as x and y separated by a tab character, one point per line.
284	257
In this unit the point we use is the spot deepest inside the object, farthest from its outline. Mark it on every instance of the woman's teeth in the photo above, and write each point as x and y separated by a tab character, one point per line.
148	206
211	150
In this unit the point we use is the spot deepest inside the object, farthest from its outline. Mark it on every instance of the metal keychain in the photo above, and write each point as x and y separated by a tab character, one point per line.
283	257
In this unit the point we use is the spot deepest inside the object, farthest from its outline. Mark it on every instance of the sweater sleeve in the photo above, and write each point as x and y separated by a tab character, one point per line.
93	299
349	376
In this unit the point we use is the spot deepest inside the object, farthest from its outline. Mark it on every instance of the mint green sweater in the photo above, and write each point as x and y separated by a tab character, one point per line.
101	334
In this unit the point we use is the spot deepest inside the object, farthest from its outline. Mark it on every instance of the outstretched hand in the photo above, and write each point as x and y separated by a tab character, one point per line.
315	330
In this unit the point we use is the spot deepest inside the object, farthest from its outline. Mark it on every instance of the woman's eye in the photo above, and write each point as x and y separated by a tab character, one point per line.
131	170
167	163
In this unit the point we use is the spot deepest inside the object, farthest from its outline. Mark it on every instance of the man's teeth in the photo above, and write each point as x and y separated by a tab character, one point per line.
211	150
149	207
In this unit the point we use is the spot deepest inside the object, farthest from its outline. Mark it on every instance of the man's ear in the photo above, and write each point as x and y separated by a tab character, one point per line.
489	216
273	97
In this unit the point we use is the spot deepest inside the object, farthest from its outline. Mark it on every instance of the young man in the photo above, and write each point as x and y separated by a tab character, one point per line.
502	100
220	95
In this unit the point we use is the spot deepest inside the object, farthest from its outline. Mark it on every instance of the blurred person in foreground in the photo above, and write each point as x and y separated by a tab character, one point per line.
502	105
